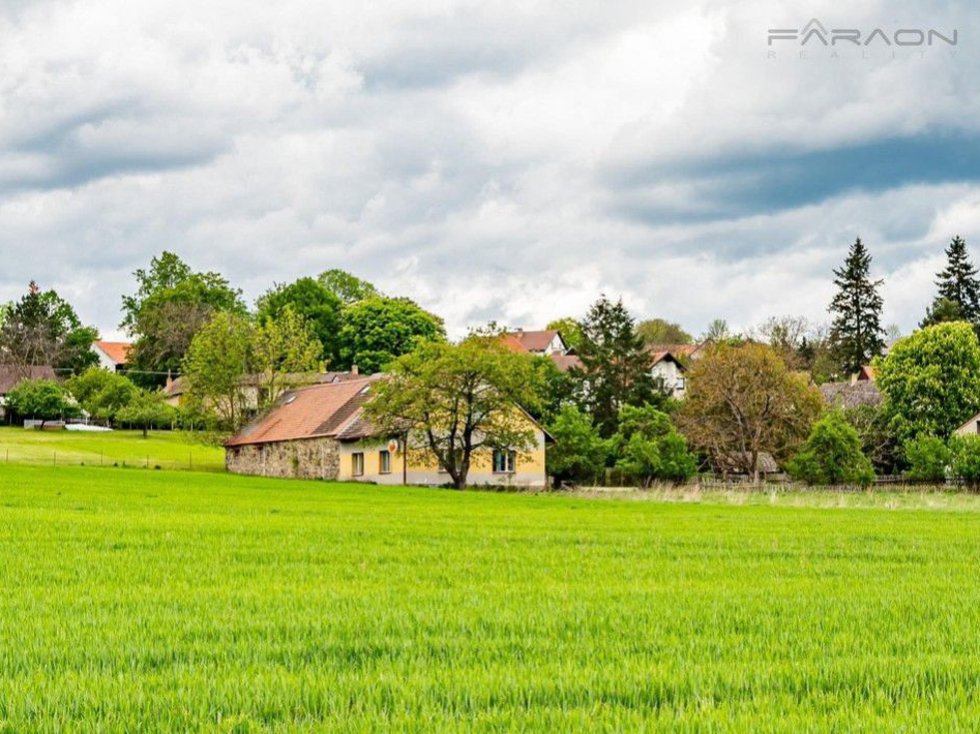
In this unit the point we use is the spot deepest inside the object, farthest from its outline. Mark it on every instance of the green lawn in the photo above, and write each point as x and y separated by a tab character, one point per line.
164	449
142	600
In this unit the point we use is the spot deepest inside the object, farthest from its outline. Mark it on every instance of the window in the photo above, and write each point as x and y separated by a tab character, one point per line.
504	461
384	462
357	464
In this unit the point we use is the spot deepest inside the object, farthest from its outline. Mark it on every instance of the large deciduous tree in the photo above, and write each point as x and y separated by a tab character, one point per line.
661	331
958	298
455	399
931	380
315	304
216	361
348	288
856	334
648	447
742	401
102	394
615	367
43	329
791	337
377	330
283	348
170	306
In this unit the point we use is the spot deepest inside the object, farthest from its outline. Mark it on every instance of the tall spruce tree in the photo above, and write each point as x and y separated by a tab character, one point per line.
615	365
856	335
959	289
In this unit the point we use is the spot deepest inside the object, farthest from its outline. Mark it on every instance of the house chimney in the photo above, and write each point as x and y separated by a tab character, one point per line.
353	369
170	381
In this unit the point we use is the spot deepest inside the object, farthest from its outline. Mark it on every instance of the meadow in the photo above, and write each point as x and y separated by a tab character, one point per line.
163	449
162	601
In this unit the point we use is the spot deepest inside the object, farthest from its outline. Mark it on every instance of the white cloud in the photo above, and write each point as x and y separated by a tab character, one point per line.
491	160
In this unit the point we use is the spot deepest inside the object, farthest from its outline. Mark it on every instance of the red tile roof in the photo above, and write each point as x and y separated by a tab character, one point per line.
118	352
311	412
658	357
678	350
867	372
535	341
512	343
565	362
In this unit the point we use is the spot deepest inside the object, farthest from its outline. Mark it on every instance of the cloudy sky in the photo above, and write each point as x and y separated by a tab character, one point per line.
502	161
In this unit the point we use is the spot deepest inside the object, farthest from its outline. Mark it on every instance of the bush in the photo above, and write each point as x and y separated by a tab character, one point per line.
648	447
41	399
832	455
578	453
965	455
928	458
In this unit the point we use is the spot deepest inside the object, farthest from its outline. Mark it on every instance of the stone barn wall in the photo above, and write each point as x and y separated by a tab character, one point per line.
311	458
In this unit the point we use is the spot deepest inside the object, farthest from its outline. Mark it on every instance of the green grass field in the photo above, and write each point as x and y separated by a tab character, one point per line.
164	449
141	600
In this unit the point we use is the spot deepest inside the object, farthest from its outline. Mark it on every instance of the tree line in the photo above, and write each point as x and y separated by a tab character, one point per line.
196	326
748	395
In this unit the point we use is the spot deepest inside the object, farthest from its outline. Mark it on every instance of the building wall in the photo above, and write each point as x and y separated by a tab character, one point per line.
970	428
672	376
312	458
556	346
105	362
423	469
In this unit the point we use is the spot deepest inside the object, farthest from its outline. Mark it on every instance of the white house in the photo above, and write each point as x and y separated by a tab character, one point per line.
545	342
112	355
970	428
666	368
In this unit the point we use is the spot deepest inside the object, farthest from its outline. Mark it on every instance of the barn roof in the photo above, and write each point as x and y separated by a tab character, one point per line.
331	410
310	412
851	394
765	462
11	374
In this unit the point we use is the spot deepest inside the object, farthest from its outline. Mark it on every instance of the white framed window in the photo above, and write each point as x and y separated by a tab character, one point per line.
357	464
384	462
504	462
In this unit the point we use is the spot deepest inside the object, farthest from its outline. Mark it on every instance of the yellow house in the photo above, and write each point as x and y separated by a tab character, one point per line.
321	432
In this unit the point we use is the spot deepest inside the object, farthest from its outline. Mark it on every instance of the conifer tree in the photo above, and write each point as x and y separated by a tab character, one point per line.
615	365
959	289
856	334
